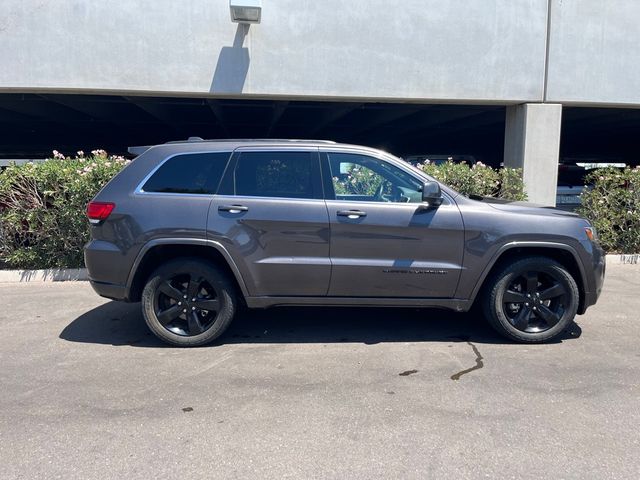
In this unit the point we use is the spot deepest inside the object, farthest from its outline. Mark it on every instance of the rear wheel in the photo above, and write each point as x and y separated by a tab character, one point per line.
188	302
531	300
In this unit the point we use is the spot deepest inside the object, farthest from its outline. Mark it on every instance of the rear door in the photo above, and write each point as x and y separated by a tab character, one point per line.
270	215
384	241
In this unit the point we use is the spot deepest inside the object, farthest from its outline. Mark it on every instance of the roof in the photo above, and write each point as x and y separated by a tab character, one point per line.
138	150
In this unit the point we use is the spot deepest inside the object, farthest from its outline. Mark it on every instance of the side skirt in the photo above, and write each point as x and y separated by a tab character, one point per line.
458	305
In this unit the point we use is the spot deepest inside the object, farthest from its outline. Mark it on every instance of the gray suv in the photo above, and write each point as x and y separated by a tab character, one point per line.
197	229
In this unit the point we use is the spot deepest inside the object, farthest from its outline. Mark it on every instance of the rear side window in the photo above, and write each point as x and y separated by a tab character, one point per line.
277	174
189	173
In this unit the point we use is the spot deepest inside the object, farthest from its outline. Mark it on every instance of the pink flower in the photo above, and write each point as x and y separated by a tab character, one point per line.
99	153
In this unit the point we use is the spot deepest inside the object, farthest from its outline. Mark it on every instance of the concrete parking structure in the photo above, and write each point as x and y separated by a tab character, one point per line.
102	75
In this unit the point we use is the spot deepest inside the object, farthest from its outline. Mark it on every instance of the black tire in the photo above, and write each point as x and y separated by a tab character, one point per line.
188	302
531	300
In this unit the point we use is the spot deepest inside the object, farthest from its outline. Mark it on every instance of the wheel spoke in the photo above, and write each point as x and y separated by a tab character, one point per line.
554	291
171	313
211	305
194	287
511	296
521	321
548	315
170	291
532	282
193	322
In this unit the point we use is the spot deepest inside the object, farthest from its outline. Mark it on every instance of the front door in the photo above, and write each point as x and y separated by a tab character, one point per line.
270	215
384	241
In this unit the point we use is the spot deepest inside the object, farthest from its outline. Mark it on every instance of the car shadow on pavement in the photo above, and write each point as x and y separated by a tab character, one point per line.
117	323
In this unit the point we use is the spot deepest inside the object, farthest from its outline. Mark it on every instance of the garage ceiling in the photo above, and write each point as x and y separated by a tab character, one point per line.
31	125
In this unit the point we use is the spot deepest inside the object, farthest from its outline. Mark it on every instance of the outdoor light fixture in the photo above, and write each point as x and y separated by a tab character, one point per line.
245	11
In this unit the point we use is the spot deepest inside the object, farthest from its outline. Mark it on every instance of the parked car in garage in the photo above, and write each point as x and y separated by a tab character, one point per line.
572	181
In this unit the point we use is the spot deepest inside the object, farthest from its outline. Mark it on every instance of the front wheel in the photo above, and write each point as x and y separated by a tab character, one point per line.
188	302
531	300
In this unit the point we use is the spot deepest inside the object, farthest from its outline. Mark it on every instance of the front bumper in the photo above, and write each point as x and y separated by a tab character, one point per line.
599	268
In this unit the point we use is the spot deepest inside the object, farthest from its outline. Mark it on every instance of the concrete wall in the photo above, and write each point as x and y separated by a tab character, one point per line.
467	50
421	50
594	52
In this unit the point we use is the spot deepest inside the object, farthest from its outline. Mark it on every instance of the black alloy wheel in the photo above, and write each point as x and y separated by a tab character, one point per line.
189	302
531	300
534	301
186	304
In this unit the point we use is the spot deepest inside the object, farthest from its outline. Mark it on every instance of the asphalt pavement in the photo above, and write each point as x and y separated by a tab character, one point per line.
86	392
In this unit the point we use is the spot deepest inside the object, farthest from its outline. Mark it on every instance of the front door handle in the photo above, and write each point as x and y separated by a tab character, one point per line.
232	208
351	213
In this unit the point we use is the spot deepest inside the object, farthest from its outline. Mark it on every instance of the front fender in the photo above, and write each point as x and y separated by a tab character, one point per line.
505	248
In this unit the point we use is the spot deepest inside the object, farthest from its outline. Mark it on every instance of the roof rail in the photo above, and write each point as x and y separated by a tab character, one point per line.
139	150
238	140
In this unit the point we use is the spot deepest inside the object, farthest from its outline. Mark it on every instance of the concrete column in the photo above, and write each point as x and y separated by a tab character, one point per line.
532	143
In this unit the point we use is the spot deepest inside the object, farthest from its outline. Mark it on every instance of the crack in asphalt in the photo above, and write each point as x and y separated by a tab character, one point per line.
479	363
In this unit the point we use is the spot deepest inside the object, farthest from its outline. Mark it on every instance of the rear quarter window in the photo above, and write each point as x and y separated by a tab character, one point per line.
198	173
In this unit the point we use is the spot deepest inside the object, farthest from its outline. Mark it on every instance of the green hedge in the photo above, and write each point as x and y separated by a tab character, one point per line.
478	179
613	207
42	208
43	223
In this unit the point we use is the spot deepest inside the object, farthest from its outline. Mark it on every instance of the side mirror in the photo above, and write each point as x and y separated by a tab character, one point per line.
431	193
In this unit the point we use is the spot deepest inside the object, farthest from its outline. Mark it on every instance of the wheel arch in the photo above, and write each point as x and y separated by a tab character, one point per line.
156	252
562	253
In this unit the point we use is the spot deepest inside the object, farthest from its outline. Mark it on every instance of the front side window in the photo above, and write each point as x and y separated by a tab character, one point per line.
367	179
275	174
189	173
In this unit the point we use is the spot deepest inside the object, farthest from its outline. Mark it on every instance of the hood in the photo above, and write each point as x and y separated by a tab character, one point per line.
524	207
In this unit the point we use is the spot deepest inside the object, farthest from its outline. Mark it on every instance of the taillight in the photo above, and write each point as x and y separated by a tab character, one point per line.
99	211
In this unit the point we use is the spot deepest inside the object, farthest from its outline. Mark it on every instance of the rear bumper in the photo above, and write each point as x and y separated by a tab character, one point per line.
109	290
107	269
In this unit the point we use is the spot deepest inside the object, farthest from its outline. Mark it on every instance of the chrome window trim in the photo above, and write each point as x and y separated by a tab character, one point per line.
290	199
447	202
139	190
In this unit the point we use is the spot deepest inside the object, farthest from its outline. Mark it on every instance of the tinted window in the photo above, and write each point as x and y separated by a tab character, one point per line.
191	173
366	179
275	174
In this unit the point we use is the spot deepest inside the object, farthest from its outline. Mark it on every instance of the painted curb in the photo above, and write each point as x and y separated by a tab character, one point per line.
632	259
48	275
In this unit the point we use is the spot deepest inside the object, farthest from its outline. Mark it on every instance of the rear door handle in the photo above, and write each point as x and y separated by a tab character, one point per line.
233	208
351	213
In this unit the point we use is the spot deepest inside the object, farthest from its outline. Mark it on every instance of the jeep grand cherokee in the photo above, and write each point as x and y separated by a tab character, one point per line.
195	229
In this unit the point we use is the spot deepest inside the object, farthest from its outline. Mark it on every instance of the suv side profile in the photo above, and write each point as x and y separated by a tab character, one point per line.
196	229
